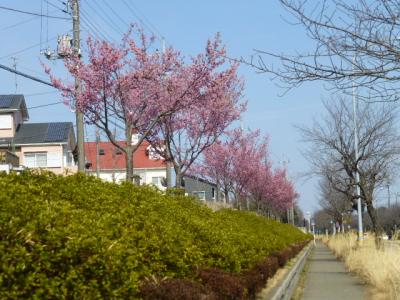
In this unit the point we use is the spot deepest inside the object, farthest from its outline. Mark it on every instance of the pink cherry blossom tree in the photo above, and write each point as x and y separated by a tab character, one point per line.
133	86
212	106
241	166
233	161
124	86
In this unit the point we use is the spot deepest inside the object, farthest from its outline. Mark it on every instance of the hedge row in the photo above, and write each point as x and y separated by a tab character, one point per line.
79	238
215	284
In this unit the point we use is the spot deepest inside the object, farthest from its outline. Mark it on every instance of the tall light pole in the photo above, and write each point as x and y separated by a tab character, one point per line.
357	175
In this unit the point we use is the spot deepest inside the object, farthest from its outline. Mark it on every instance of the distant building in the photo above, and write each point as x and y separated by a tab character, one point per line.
201	188
148	166
47	146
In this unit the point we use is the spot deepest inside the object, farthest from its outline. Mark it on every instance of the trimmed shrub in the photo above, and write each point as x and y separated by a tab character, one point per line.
225	285
77	237
175	288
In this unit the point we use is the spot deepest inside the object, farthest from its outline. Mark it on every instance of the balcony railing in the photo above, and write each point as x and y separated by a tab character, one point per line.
7	157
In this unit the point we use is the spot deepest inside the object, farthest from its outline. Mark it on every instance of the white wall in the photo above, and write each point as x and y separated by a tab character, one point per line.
145	174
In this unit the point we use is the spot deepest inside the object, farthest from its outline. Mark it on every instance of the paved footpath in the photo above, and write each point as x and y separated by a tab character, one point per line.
328	279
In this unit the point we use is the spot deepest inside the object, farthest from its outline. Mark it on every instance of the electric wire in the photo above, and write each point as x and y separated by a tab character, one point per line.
25	49
91	30
146	19
146	24
117	16
55	6
85	18
106	17
45	105
25	75
40	93
33	14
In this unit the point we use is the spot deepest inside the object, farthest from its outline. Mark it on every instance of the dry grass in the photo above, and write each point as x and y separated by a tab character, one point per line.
379	268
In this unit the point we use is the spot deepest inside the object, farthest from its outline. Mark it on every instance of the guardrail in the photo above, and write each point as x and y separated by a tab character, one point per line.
288	284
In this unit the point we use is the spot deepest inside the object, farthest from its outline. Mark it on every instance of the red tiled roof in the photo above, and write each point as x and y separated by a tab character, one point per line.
107	161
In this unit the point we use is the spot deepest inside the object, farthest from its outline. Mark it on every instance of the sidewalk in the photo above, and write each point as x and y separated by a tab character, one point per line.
327	278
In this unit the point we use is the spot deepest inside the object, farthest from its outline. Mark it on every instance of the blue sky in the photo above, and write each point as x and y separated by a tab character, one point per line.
244	26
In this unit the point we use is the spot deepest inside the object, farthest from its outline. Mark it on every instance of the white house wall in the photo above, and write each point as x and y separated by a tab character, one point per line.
145	174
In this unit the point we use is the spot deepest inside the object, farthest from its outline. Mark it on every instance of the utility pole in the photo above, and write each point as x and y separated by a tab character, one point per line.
388	191
97	153
114	156
78	88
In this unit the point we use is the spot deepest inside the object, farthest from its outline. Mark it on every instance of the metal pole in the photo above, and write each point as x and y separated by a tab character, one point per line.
79	114
357	175
309	221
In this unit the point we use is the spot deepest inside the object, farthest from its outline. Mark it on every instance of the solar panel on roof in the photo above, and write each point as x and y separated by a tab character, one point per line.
56	132
5	102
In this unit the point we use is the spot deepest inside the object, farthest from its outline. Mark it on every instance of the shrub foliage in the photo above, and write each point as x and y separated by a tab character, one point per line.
77	237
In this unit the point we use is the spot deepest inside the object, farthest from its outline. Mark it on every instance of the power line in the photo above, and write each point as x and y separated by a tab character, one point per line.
107	19
144	20
40	94
25	49
19	23
45	105
25	75
33	14
118	17
94	25
55	6
137	16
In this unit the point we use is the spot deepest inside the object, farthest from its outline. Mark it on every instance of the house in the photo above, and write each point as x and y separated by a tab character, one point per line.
47	146
201	188
148	166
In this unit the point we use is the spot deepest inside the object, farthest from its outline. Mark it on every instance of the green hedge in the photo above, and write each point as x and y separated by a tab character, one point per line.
79	238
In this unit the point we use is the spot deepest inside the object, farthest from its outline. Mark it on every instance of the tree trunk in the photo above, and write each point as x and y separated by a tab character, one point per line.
374	221
178	177
226	193
129	164
169	174
217	191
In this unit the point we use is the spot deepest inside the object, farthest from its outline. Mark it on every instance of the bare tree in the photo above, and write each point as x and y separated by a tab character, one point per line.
322	221
356	42
337	204
332	155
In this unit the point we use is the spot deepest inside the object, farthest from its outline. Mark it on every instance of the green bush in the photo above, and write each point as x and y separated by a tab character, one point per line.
77	237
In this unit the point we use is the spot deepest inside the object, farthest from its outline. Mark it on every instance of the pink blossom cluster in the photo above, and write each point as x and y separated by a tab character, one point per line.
241	166
180	105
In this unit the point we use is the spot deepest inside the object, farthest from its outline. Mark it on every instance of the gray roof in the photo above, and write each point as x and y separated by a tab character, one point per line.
5	141
42	133
14	102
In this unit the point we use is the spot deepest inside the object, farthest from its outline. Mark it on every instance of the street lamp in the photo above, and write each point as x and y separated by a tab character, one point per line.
309	221
357	175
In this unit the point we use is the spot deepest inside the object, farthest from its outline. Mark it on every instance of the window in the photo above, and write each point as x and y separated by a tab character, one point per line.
101	152
156	181
213	193
35	159
70	159
201	195
6	121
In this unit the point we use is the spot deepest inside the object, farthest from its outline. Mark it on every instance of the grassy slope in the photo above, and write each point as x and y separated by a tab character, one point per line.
79	237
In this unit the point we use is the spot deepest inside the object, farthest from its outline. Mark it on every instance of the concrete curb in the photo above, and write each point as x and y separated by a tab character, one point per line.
286	287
